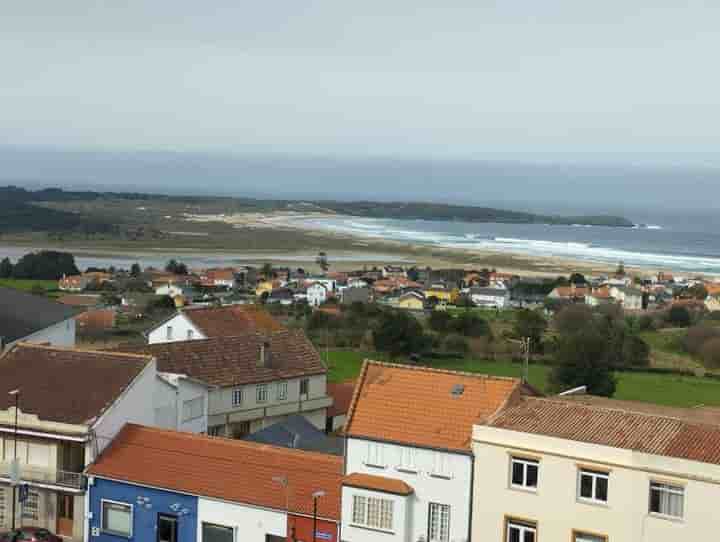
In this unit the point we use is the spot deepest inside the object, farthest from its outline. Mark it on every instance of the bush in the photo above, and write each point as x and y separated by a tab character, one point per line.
470	325
646	323
45	265
635	352
697	336
573	318
679	316
582	361
530	324
400	333
439	321
710	353
455	344
714	315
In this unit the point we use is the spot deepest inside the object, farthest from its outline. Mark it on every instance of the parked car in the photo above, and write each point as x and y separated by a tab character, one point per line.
29	534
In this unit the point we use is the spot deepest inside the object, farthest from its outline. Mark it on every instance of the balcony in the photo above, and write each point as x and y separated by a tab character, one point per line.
39	475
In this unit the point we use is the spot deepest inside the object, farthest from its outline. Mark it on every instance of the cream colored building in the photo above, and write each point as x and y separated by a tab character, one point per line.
594	470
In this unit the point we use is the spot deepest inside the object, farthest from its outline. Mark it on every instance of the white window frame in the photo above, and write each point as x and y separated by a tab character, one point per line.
594	475
441	465
522	526
190	334
102	517
237	396
31	507
583	536
438	522
668	487
261	393
282	391
408	459
305	382
168	333
525	462
228	527
373	513
375	455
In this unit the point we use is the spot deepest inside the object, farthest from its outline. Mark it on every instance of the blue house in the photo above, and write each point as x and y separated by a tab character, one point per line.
124	511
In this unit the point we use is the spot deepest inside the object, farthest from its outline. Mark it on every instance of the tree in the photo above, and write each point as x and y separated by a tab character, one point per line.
135	270
635	352
45	265
698	291
577	278
679	316
38	289
439	321
455	344
582	361
530	324
176	267
6	268
710	353
620	271
413	274
322	261
267	271
470	325
400	333
573	318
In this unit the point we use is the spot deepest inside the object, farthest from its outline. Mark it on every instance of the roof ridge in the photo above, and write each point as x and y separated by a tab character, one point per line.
425	368
623	411
80	350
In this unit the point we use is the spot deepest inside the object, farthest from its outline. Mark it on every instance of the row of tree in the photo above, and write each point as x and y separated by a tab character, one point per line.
42	265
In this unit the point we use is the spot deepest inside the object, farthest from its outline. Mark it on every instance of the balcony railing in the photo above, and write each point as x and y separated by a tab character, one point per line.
29	473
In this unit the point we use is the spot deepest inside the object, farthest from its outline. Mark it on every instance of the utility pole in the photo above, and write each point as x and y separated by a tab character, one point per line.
16	468
526	343
315	497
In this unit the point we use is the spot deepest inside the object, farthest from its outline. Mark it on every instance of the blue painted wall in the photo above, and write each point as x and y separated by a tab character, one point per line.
144	517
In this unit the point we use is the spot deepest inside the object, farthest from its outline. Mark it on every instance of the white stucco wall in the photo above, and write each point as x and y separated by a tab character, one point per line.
180	326
454	491
251	524
402	518
555	506
61	334
188	390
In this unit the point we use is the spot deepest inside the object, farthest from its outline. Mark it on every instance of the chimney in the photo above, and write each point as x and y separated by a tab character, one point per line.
264	360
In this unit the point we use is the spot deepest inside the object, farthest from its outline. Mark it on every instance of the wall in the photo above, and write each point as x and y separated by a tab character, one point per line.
555	505
454	491
60	334
300	529
187	390
180	324
251	524
403	510
144	519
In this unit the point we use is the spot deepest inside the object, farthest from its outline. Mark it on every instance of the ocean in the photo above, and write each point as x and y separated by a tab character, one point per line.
680	243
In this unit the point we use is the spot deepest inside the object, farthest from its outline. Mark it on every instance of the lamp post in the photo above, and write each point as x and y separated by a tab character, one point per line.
16	470
315	497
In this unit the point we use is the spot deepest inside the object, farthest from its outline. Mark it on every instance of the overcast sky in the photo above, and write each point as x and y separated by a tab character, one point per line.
551	80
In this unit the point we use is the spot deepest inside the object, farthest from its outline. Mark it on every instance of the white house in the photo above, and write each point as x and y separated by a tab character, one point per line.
34	319
490	297
209	322
409	462
71	404
596	470
629	298
317	294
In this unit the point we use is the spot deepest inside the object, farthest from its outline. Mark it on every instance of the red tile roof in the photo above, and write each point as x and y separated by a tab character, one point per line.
232	361
66	385
639	431
96	319
342	393
378	483
232	320
79	300
416	405
231	470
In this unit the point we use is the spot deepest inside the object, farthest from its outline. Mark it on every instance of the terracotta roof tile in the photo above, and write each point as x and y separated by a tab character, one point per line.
227	321
79	300
231	470
415	405
615	427
378	483
66	385
342	393
232	361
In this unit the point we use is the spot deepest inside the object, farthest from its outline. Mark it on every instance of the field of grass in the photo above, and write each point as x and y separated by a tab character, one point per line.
27	285
666	349
661	389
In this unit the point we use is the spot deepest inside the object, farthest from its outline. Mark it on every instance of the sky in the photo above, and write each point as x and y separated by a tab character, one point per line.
551	82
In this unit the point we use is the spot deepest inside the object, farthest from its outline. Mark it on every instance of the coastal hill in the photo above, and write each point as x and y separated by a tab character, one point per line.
57	209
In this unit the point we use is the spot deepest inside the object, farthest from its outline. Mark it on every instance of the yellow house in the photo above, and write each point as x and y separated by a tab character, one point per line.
411	301
712	303
443	294
264	286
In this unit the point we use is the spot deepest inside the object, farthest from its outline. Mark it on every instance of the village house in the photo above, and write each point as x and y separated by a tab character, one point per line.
355	294
341	393
590	469
71	403
77	283
218	278
629	298
256	378
154	485
598	296
442	292
317	293
209	322
570	293
34	319
393	272
411	301
493	297
712	304
409	461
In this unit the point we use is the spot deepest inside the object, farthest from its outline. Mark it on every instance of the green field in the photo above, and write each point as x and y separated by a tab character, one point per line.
661	389
27	285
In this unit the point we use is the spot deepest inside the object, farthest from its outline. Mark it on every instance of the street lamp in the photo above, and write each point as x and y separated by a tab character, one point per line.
315	497
16	470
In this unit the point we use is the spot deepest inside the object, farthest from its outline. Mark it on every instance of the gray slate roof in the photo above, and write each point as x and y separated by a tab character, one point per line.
297	432
22	314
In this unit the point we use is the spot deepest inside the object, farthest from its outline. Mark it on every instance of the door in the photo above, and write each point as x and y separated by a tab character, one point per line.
65	514
167	528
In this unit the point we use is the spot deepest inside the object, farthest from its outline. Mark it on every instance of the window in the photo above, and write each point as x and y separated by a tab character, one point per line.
3	505
441	465
524	473
261	393
216	431
190	334
169	333
217	533
520	531
375	454
372	512
193	409
305	386
117	518
237	397
439	522
31	506
587	537
407	459
593	486
281	391
666	499
167	528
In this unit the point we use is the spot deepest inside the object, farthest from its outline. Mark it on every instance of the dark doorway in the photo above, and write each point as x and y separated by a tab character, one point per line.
167	528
